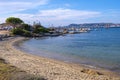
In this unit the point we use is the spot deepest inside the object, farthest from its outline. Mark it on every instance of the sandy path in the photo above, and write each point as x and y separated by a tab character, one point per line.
4	32
48	68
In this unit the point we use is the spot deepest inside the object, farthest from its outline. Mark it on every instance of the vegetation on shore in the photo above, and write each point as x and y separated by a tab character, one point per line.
8	72
14	21
23	29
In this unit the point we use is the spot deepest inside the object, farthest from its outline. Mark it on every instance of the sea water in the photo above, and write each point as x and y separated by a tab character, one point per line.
99	48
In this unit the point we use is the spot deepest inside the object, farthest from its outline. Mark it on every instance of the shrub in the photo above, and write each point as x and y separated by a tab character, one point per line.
22	32
26	27
17	31
41	30
27	33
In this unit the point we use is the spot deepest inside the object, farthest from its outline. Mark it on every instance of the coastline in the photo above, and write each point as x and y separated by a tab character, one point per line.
49	68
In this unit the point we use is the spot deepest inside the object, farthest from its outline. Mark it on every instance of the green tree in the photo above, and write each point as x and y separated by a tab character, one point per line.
37	28
17	31
27	33
26	27
43	30
14	21
21	32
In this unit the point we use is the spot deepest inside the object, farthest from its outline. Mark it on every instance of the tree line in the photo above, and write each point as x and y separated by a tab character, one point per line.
23	29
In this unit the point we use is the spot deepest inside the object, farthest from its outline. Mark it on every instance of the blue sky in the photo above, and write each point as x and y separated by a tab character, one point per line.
61	12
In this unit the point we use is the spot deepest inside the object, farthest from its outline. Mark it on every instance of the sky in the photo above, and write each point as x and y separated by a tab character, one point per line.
61	12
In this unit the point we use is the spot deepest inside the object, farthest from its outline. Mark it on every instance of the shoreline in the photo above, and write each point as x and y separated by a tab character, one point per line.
49	68
17	46
64	58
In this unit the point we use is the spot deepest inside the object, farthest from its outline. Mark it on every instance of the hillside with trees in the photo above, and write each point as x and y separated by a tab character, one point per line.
24	29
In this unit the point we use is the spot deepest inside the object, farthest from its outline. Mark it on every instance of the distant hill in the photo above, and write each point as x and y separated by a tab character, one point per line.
93	25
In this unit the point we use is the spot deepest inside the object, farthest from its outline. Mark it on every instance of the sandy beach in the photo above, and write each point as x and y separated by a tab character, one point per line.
48	68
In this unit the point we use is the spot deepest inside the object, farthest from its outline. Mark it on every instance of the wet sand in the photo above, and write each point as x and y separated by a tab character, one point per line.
49	68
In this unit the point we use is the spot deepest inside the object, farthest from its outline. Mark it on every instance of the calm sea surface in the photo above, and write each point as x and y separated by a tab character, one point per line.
100	48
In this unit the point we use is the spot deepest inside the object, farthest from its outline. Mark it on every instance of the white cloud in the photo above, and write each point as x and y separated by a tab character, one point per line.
53	16
58	16
14	6
61	14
